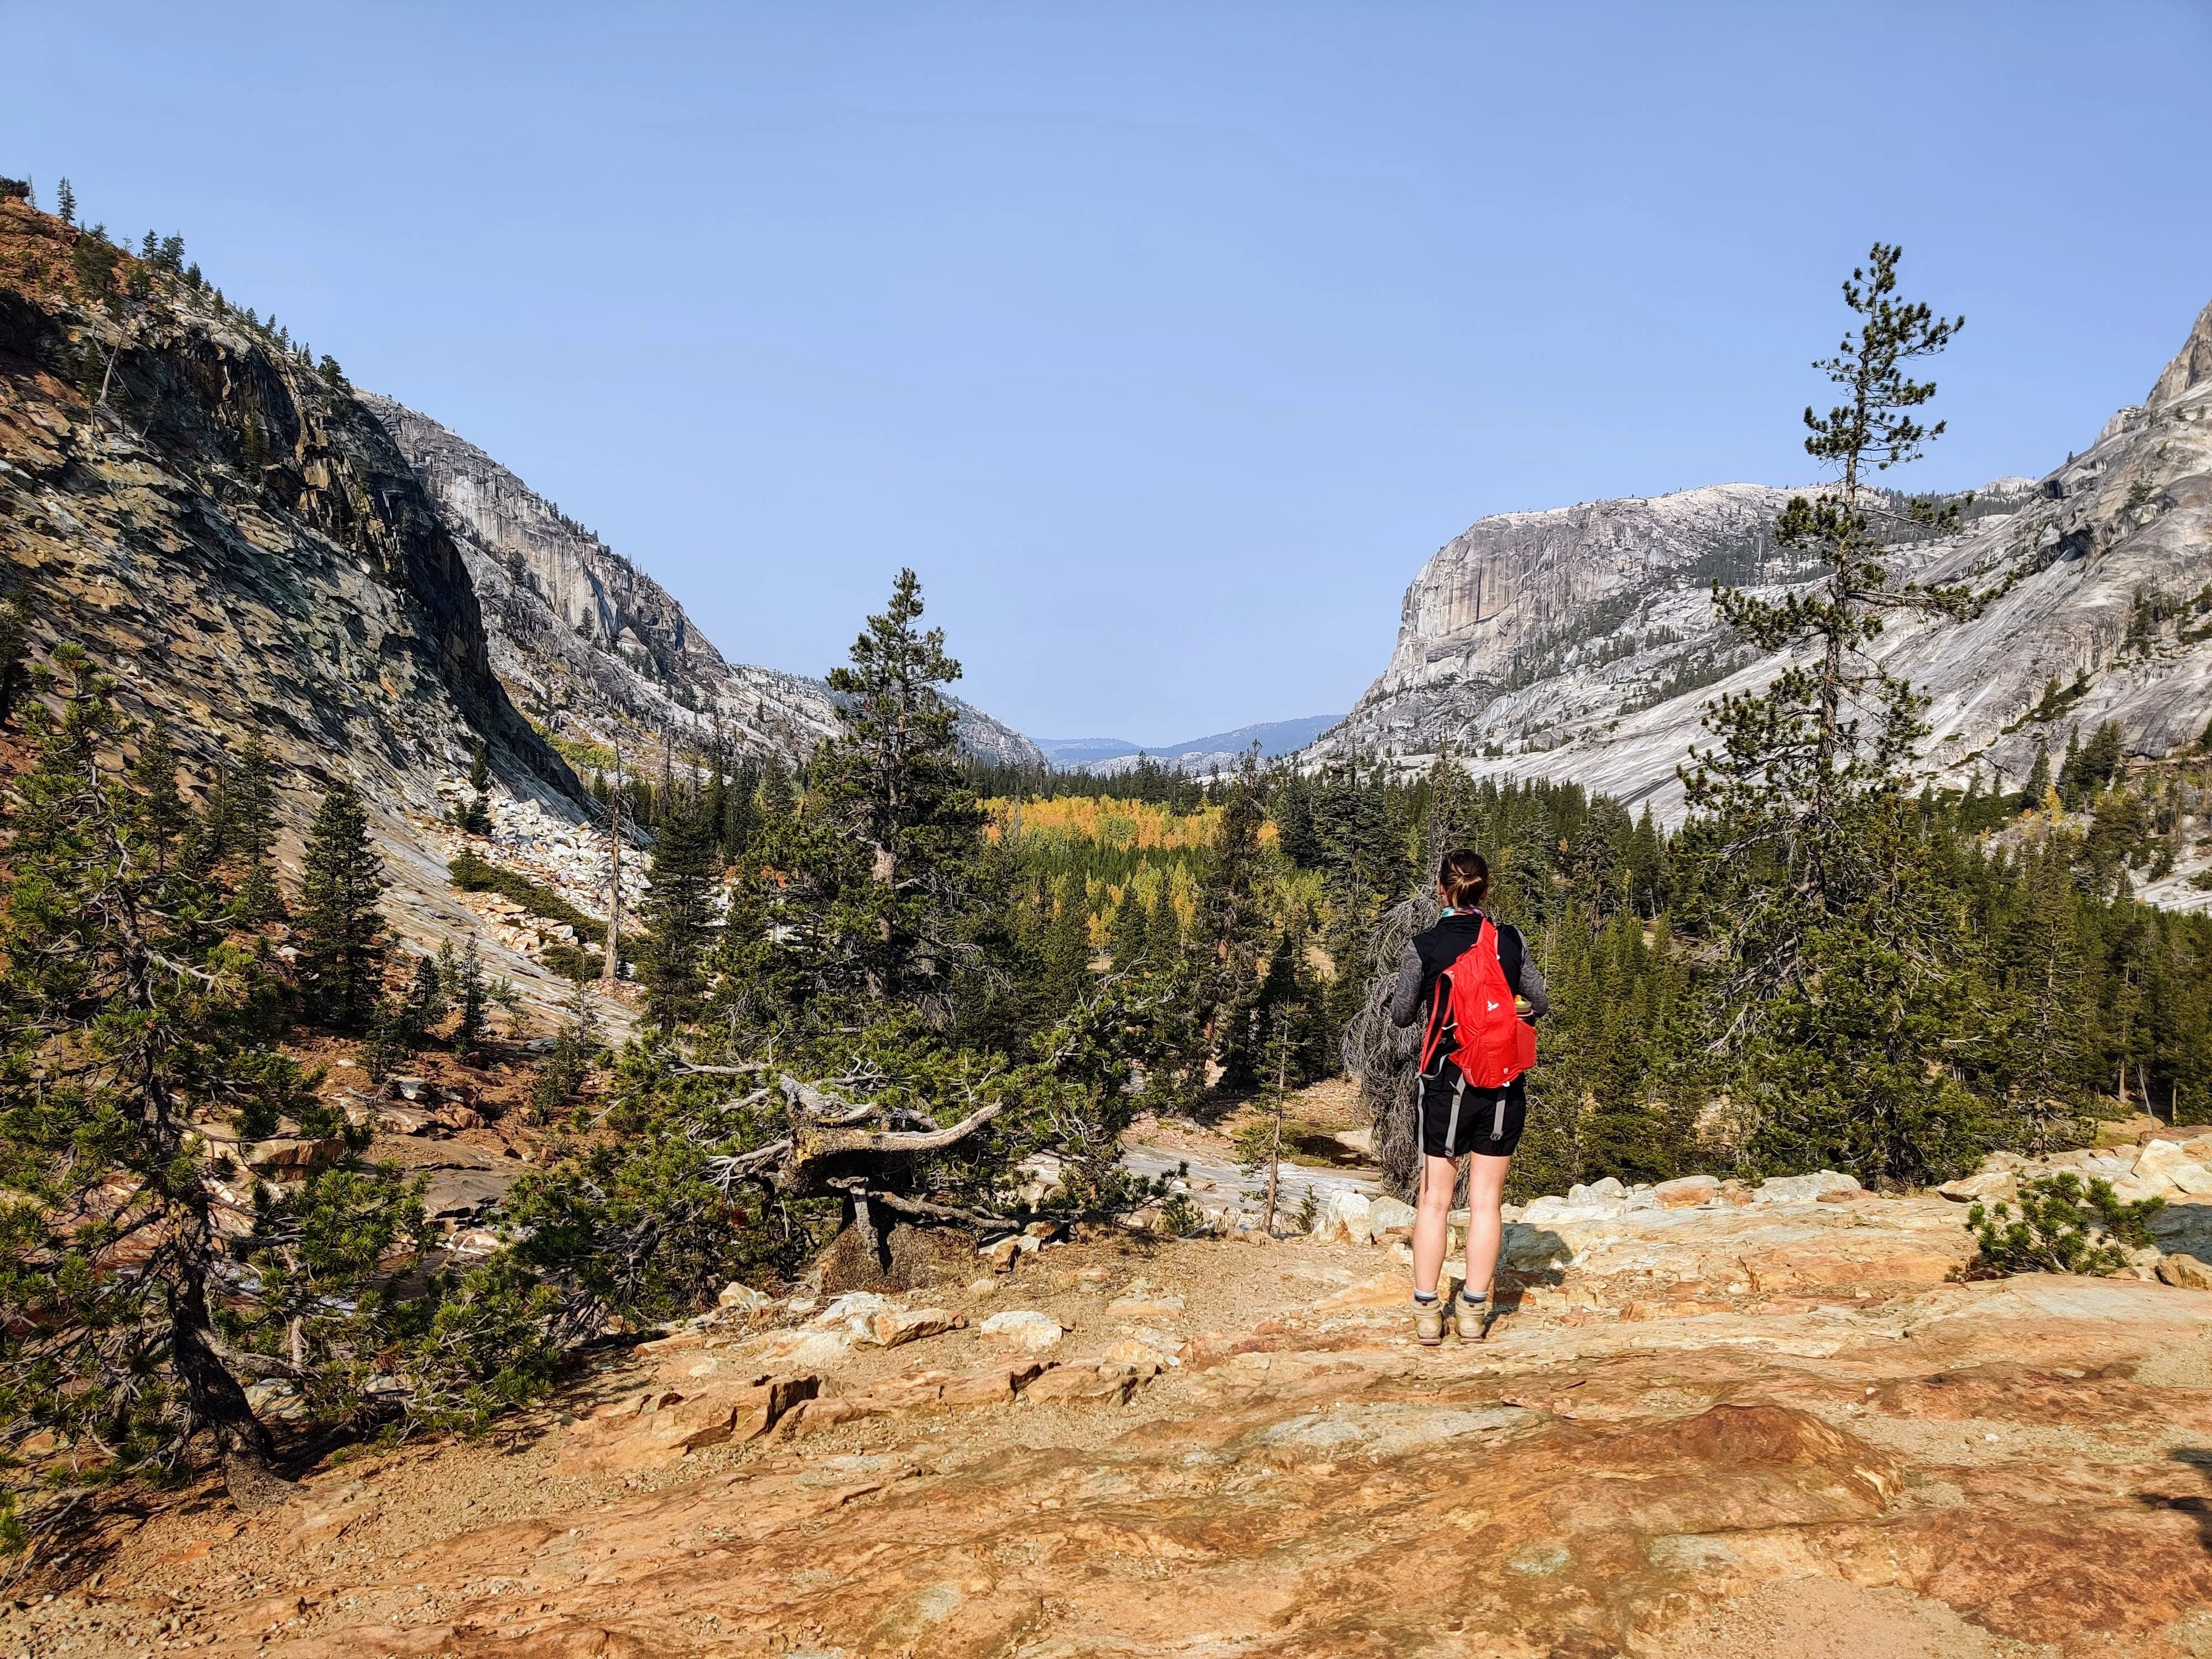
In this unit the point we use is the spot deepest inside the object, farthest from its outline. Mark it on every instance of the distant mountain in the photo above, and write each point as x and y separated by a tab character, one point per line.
1069	752
1110	756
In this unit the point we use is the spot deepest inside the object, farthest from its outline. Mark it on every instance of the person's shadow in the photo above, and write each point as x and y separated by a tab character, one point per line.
1529	1256
2198	1508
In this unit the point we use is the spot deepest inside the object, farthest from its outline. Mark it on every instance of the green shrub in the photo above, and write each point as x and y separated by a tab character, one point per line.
2062	1228
472	874
1180	1217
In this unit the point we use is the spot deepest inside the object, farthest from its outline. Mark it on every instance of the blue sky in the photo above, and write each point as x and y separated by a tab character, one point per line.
1166	342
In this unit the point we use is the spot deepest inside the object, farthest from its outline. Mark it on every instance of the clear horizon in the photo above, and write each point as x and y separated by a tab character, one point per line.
1165	344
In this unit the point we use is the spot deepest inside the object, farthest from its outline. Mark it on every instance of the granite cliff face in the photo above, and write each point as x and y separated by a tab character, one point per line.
591	645
1580	643
234	536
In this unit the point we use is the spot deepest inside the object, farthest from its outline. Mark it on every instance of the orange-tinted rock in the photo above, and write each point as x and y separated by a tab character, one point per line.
662	1426
1109	1383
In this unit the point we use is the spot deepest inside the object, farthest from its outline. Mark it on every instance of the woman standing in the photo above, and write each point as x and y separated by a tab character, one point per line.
1443	974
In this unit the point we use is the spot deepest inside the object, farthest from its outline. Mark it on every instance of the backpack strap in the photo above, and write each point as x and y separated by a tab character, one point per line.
1440	996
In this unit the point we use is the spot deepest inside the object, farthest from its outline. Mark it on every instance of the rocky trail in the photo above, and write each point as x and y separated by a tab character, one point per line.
1710	1421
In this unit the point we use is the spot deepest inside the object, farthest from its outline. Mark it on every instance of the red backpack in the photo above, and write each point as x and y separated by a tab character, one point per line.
1492	1043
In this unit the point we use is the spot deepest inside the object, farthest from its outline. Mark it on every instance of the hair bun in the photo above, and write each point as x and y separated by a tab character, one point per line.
1464	878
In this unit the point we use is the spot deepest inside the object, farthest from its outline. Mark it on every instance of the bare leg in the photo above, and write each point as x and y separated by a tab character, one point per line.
1431	1232
1486	1193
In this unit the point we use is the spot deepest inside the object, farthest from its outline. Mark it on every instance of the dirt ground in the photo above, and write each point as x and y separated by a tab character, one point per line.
1878	1464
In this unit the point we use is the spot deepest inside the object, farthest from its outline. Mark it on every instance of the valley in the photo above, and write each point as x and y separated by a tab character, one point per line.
869	1252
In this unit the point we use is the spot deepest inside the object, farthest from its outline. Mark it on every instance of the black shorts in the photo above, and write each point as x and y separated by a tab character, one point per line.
1455	1118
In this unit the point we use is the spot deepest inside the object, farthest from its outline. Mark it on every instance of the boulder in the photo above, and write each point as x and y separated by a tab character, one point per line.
1140	1357
1805	1189
287	1155
1607	1191
1024	1328
1687	1193
1042	1176
1006	1252
2168	1161
1107	1383
2184	1271
1552	1208
808	1347
853	1311
455	1115
665	1425
2181	1134
1387	1215
1989	1187
993	1386
1389	1289
737	1296
1345	1215
1143	1305
894	1326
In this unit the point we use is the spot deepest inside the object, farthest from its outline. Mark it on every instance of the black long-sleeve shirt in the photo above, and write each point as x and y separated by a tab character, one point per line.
1428	953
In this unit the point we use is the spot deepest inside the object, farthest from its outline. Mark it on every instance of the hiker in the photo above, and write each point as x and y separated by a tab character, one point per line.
1474	980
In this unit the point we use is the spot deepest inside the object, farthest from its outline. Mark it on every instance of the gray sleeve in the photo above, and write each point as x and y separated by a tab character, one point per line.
1532	984
1405	993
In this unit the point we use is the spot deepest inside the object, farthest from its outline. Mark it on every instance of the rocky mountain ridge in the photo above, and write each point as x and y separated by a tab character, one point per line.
230	534
592	646
1580	644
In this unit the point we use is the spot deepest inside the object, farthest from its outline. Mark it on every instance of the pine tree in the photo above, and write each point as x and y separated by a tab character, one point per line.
128	1010
776	798
163	810
2070	771
65	202
1796	758
1647	868
901	831
1065	951
341	925
741	815
1450	811
466	979
2049	1039
425	1003
570	1062
249	835
678	915
1229	932
714	806
14	651
2038	779
2102	757
1292	811
1125	938
1163	927
1840	1008
476	817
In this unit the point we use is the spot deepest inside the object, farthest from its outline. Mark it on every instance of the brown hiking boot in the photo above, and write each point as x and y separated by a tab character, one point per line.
1429	1322
1470	1320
